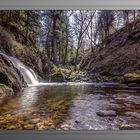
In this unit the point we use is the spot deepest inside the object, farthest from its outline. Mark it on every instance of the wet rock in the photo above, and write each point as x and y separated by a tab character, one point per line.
11	127
65	127
133	114
112	101
114	106
106	113
120	99
5	93
133	99
35	121
28	127
9	74
77	121
127	105
132	78
133	85
81	76
40	126
57	77
129	127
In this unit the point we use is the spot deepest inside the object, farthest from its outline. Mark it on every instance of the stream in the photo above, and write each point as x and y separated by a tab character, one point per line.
73	106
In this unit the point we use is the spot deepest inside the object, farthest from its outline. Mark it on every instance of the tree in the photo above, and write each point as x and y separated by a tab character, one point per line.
105	23
82	22
24	24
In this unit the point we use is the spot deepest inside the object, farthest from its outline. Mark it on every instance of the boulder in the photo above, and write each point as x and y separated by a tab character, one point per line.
57	77
106	113
132	78
5	93
129	127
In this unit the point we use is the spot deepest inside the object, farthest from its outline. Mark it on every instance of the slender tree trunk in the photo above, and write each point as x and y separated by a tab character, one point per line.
126	17
66	47
62	48
9	14
77	52
91	44
48	45
60	51
134	15
54	48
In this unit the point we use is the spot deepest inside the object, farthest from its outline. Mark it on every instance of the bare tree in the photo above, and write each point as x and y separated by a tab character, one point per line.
82	21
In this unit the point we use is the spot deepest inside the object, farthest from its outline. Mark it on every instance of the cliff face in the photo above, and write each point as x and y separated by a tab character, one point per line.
11	80
118	56
9	75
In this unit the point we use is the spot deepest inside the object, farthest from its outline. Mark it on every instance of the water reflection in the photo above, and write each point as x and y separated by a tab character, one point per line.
72	106
29	97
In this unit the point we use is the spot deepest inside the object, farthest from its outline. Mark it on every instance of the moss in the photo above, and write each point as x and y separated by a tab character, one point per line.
60	72
58	76
118	78
54	69
35	50
4	88
132	75
77	68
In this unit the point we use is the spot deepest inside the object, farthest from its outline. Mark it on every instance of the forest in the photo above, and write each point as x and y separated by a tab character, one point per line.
65	36
69	69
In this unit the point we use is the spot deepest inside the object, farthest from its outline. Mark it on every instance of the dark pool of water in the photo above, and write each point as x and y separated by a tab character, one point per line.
73	106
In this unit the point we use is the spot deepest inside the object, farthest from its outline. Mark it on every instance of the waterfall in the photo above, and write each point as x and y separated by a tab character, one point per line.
28	74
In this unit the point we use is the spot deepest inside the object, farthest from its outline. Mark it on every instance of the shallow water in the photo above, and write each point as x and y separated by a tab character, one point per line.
72	106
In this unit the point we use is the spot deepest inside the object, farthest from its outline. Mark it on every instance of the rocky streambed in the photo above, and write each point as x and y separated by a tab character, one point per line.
73	106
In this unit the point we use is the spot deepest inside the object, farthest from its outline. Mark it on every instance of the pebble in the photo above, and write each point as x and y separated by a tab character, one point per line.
11	127
106	113
35	121
29	127
129	127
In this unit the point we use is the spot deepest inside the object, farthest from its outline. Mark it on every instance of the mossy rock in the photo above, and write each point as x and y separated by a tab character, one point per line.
132	77
5	93
118	78
57	77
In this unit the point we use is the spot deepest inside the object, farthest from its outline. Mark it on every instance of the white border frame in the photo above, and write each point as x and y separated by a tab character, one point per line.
70	4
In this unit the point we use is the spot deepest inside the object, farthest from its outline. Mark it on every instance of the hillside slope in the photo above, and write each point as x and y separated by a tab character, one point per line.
30	56
118	58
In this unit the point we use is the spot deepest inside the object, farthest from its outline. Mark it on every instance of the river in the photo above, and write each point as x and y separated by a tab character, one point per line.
73	106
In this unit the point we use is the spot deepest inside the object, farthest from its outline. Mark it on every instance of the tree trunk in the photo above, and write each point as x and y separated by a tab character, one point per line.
54	48
77	52
91	44
66	47
60	51
134	15
62	48
48	45
9	14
